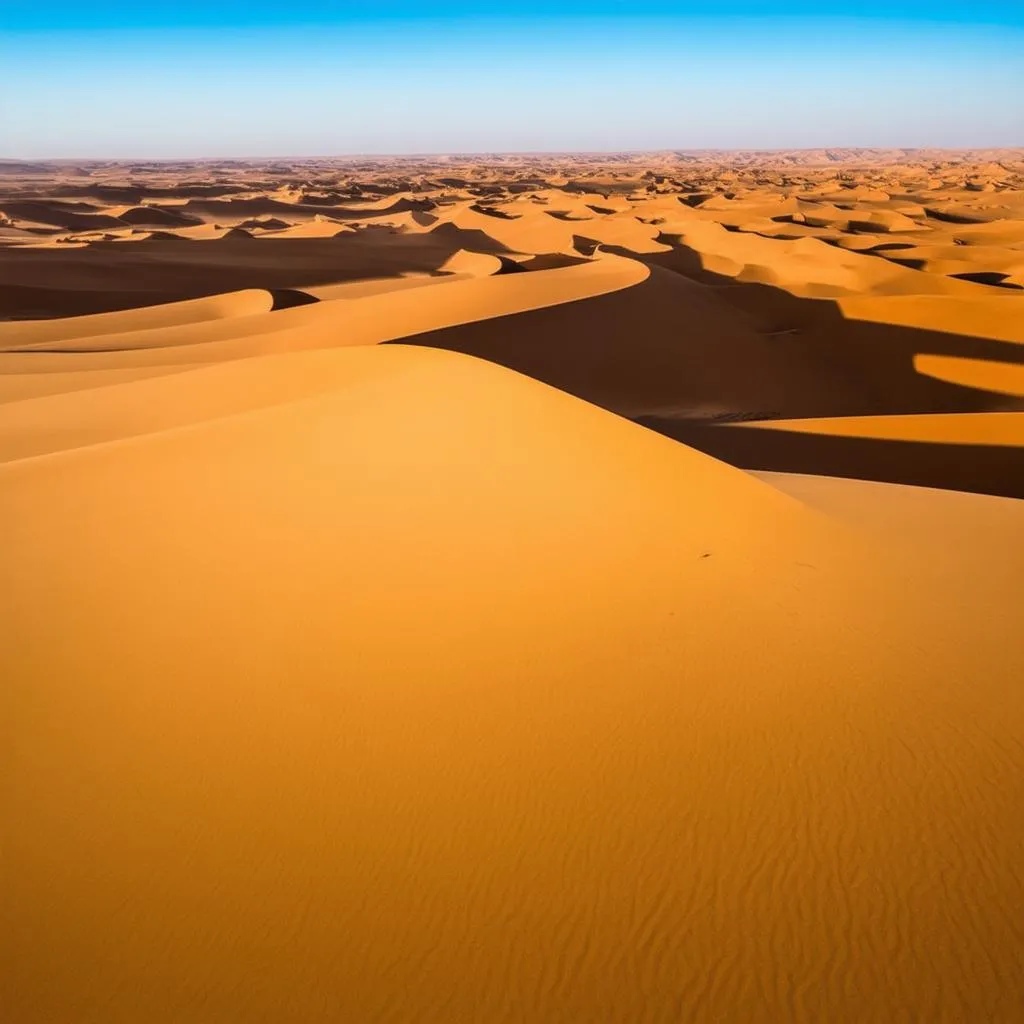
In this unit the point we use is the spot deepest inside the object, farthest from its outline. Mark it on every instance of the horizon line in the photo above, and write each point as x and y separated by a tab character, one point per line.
426	154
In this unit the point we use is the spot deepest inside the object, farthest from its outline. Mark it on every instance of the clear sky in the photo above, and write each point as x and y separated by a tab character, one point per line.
199	78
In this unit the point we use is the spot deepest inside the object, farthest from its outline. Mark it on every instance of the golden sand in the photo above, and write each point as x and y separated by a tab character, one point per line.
354	672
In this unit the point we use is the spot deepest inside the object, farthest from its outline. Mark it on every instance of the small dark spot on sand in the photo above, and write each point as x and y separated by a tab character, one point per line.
707	554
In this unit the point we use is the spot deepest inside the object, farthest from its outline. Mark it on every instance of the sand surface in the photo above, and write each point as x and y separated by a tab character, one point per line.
528	589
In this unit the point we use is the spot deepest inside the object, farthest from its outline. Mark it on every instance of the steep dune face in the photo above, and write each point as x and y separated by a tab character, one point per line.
665	346
354	672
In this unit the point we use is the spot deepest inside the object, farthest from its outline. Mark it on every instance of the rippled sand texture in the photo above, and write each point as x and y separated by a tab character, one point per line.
367	659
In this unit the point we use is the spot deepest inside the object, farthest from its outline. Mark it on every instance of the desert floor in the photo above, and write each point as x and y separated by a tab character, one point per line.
529	589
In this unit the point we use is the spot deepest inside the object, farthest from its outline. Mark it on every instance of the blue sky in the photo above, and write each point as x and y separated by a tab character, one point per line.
232	78
78	14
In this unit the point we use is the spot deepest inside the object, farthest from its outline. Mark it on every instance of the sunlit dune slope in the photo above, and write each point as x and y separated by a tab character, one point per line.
422	691
807	266
174	314
997	316
998	428
986	375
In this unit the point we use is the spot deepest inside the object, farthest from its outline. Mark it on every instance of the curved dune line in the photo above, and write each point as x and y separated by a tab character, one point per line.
367	320
377	285
34	334
984	374
445	695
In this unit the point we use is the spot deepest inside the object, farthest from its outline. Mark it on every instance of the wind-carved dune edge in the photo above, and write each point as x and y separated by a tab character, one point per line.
365	662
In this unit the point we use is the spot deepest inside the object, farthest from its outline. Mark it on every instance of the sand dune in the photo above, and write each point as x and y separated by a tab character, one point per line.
997	428
144	404
379	316
498	748
1002	378
365	662
473	264
311	229
807	266
55	332
663	346
154	216
1000	317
